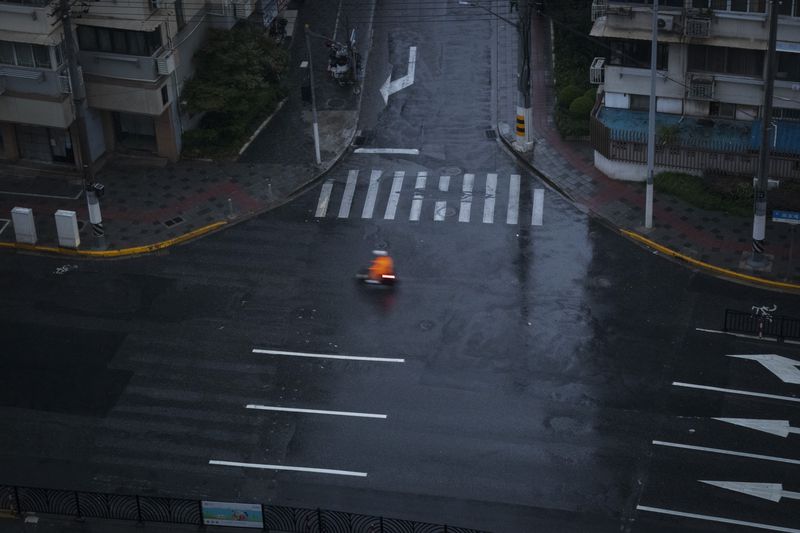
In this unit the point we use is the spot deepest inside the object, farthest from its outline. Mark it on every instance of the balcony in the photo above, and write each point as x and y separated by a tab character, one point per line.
32	81
597	70
119	66
35	96
29	17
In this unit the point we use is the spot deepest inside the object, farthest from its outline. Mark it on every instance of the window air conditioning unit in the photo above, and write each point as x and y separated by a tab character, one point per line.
597	70
165	65
701	88
665	22
697	27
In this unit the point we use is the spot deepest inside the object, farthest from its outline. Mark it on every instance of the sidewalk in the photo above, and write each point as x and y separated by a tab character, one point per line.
148	207
713	241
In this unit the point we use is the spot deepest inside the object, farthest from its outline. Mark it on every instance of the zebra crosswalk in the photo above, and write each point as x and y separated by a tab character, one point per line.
392	196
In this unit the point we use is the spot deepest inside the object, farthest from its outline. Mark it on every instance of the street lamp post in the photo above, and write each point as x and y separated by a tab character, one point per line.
523	116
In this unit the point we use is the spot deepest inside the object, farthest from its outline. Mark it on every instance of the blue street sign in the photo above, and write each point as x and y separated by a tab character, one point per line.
789	217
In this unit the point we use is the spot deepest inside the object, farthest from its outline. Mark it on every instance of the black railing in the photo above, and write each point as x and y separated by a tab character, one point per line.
17	500
778	327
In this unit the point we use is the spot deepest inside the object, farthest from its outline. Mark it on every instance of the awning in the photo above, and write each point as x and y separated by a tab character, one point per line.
785	46
49	39
149	24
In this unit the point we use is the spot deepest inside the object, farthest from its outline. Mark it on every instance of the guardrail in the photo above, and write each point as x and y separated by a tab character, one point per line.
777	326
79	504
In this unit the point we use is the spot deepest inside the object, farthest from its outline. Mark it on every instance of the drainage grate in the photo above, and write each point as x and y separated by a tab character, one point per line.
491	134
173	221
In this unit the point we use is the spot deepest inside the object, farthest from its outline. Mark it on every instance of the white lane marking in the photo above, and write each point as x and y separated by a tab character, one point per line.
466	198
745	336
727	452
372	193
734	391
394	195
444	183
312	411
488	204
419	189
324	198
409	151
56	196
513	200
780	428
290	468
439	211
330	356
783	367
767	491
347	197
538	207
5	223
719	519
390	87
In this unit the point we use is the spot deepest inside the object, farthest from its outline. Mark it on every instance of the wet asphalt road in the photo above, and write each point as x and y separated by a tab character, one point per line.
536	388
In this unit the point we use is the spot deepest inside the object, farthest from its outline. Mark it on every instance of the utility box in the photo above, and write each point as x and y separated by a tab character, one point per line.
67	227
24	225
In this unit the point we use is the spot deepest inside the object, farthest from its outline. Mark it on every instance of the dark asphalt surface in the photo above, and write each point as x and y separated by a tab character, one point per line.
539	360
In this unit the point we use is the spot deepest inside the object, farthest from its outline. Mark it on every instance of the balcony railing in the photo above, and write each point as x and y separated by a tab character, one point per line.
597	70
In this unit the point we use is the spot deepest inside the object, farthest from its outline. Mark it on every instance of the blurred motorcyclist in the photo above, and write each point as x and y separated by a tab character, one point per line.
382	265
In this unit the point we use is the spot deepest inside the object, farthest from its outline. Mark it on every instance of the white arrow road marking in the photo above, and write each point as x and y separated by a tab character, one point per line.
783	367
372	192
745	336
394	195
735	391
466	198
347	197
728	452
720	519
324	198
780	428
312	411
390	87
291	468
419	194
329	356
768	491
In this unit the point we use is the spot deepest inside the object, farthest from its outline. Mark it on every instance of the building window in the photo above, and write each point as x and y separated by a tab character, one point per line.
640	102
742	6
789	7
720	60
785	113
636	54
722	110
25	55
788	67
164	95
128	42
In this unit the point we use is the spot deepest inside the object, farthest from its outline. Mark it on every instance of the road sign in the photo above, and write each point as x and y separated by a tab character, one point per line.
788	217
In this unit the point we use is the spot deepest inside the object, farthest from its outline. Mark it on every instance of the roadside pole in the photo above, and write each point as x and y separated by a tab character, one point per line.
651	123
313	100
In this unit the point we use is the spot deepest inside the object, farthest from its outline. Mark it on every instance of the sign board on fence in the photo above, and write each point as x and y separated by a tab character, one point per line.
232	514
790	217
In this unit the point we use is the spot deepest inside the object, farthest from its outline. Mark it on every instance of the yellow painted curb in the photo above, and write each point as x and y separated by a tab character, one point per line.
121	252
707	266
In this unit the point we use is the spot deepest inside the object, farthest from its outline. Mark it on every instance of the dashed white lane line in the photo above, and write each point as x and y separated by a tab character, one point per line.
735	391
372	193
408	151
727	452
349	191
745	335
324	198
330	356
538	207
512	213
289	468
394	195
4	222
313	411
719	519
466	198
419	193
488	205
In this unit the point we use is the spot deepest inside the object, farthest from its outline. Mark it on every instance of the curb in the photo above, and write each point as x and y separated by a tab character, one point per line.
122	252
724	272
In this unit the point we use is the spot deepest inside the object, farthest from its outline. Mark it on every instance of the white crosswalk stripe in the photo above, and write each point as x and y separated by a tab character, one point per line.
397	200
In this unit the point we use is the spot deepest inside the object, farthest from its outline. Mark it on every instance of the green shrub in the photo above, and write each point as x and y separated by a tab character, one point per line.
591	92
581	107
568	94
734	199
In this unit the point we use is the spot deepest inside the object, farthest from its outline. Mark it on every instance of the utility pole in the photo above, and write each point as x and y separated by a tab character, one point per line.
93	190
760	196
651	122
315	125
524	83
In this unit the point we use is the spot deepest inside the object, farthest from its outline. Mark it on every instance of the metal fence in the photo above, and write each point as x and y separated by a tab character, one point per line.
710	157
778	327
17	500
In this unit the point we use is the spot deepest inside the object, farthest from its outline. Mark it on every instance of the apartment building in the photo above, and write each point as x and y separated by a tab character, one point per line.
711	62
134	57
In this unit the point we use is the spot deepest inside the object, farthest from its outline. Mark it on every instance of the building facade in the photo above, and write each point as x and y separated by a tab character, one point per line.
711	62
134	57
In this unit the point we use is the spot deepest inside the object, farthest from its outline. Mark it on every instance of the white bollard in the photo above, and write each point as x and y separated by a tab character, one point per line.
67	227
24	225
